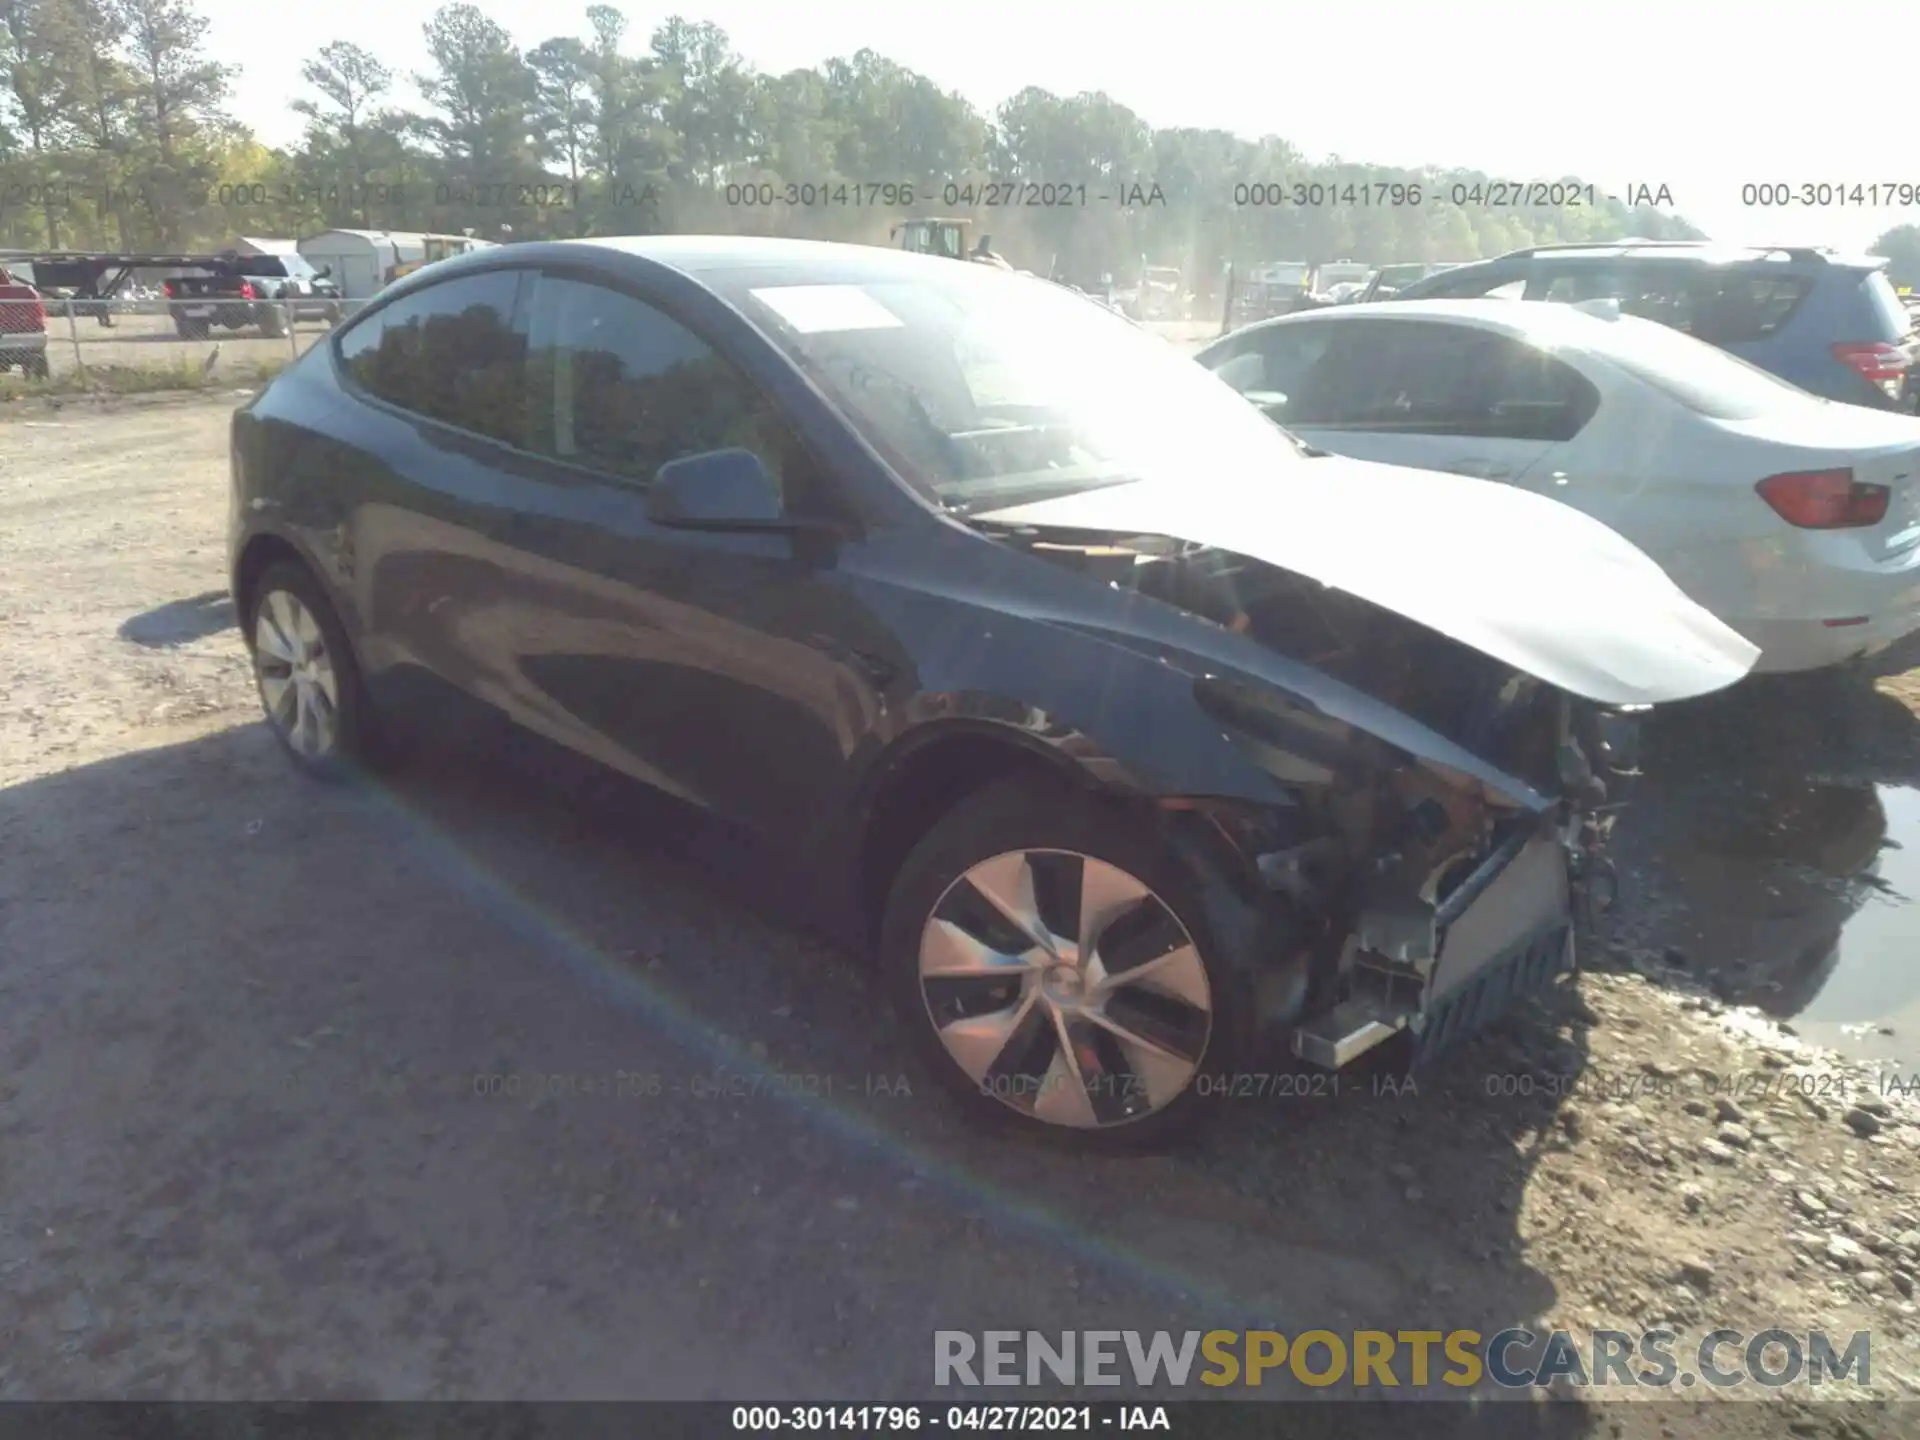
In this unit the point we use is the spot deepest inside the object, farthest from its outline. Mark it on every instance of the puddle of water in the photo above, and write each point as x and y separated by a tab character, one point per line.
1799	898
1875	983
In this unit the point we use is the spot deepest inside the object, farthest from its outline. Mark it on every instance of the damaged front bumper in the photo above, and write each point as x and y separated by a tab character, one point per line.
1443	971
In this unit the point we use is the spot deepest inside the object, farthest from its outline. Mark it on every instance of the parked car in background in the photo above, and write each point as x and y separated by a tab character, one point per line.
1831	324
1131	738
1794	519
309	293
1336	275
23	327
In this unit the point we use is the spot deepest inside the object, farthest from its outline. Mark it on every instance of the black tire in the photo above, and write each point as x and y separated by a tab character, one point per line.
1024	815
36	368
357	747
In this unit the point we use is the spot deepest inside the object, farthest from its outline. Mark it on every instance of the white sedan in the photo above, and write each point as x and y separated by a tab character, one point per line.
1793	519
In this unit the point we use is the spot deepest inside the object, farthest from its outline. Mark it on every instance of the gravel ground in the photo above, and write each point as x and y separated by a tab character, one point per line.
241	1152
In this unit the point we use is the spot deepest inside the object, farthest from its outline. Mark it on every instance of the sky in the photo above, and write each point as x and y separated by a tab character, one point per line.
1626	93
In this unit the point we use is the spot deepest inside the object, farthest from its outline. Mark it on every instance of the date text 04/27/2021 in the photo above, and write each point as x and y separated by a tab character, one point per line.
914	1419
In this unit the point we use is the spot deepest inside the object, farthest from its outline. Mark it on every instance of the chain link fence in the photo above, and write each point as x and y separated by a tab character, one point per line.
60	339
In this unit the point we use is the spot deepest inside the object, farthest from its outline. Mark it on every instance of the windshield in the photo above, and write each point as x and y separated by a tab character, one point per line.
1705	379
984	389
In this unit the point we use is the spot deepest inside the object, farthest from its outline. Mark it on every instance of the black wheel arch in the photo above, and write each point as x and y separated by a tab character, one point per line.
930	771
259	551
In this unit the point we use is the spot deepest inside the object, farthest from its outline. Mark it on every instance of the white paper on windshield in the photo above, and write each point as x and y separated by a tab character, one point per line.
820	309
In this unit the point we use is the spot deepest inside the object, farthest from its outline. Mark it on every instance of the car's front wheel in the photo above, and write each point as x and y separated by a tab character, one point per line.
1057	966
310	686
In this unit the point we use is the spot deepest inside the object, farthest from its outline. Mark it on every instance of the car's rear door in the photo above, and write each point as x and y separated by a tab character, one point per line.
434	461
1437	395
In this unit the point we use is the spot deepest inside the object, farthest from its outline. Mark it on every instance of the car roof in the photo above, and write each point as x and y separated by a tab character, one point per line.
1699	252
699	256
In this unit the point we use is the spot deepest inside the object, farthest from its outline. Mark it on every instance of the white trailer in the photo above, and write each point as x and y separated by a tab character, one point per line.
359	259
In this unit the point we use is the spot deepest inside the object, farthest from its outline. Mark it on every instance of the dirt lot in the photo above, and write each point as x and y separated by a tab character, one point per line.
241	1152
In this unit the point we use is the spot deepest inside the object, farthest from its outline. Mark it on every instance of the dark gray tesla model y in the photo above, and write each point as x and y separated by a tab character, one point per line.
1144	745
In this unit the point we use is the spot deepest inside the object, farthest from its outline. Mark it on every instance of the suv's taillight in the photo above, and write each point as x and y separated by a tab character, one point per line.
167	287
246	290
1876	361
1824	499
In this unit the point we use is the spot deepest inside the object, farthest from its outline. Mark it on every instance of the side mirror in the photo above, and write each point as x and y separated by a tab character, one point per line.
716	490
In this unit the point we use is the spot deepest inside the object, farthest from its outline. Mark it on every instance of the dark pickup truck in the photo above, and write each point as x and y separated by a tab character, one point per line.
234	291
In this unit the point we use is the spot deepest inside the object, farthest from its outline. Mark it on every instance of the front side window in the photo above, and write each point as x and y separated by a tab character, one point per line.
1274	360
618	387
453	352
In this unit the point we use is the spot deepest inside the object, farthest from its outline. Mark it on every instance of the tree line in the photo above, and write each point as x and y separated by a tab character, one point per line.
115	135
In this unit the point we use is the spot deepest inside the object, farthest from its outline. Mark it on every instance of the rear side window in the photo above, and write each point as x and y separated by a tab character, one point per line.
453	352
1278	358
1737	307
1701	377
1718	305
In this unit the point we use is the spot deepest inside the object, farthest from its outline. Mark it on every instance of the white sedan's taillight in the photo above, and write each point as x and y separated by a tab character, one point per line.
1825	499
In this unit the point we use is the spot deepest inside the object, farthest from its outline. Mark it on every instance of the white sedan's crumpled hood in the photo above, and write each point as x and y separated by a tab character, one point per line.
1525	579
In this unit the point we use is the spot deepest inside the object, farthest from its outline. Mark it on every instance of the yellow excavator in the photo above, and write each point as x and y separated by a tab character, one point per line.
433	247
948	238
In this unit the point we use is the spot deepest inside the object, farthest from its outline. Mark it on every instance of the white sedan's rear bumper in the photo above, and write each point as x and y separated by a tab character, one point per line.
1826	600
1793	645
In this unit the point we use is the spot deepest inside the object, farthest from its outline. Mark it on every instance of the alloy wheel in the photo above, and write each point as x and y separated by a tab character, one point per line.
1066	988
299	686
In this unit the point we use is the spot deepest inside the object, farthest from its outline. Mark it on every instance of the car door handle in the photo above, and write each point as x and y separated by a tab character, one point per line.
1481	469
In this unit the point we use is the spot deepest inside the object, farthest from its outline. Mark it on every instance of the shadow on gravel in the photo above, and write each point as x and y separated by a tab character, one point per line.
508	1079
179	622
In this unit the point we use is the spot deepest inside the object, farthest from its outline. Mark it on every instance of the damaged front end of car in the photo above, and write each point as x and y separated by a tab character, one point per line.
1428	865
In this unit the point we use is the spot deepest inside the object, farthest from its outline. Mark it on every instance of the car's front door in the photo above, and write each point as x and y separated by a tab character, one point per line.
1438	396
725	667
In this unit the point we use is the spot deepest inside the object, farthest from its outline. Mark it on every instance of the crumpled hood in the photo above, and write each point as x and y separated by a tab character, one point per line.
1525	579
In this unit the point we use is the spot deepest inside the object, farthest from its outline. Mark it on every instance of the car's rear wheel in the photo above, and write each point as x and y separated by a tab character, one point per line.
310	686
36	367
1058	968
